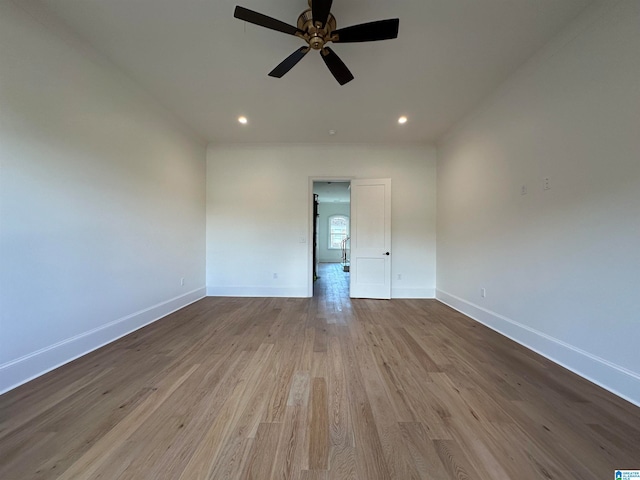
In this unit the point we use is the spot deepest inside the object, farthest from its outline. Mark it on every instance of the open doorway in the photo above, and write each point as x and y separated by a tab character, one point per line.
331	237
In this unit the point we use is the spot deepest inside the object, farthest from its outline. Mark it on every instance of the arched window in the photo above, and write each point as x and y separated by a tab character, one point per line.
338	230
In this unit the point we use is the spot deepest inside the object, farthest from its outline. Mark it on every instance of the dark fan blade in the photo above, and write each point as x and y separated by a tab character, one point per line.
320	10
337	67
289	62
369	32
264	21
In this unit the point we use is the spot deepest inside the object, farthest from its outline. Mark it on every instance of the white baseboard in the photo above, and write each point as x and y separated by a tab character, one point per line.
413	292
21	370
226	291
614	378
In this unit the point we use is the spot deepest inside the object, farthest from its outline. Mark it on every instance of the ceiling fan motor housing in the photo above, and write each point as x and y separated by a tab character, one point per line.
314	34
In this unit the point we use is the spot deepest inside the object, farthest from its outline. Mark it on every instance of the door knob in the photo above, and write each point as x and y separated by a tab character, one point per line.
387	253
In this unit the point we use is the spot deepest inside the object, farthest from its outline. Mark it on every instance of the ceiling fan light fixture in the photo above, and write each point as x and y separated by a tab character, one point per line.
402	120
318	27
243	120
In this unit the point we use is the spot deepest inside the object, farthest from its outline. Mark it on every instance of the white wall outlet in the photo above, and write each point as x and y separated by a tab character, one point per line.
399	276
483	292
275	276
546	184
523	190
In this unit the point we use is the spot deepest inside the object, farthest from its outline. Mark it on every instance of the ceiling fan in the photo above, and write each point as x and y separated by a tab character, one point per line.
317	27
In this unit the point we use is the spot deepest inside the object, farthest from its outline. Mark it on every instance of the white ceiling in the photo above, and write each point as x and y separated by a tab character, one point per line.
209	68
332	192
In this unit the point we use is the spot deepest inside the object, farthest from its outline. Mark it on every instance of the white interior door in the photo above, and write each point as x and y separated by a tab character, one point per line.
371	238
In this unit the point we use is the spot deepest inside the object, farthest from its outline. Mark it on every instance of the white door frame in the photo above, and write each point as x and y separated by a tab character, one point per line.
310	226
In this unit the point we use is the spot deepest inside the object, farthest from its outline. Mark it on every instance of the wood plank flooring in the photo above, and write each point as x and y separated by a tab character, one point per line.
324	388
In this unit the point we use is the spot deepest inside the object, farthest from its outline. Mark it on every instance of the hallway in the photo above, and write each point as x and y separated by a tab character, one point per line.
331	293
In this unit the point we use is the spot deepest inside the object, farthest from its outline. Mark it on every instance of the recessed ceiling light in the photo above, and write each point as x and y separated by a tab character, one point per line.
402	120
243	120
332	132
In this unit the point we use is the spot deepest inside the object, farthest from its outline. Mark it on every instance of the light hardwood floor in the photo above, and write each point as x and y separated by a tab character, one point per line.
322	388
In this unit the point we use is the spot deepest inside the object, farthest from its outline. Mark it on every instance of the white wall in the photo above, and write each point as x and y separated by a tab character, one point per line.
561	267
102	202
258	209
326	210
